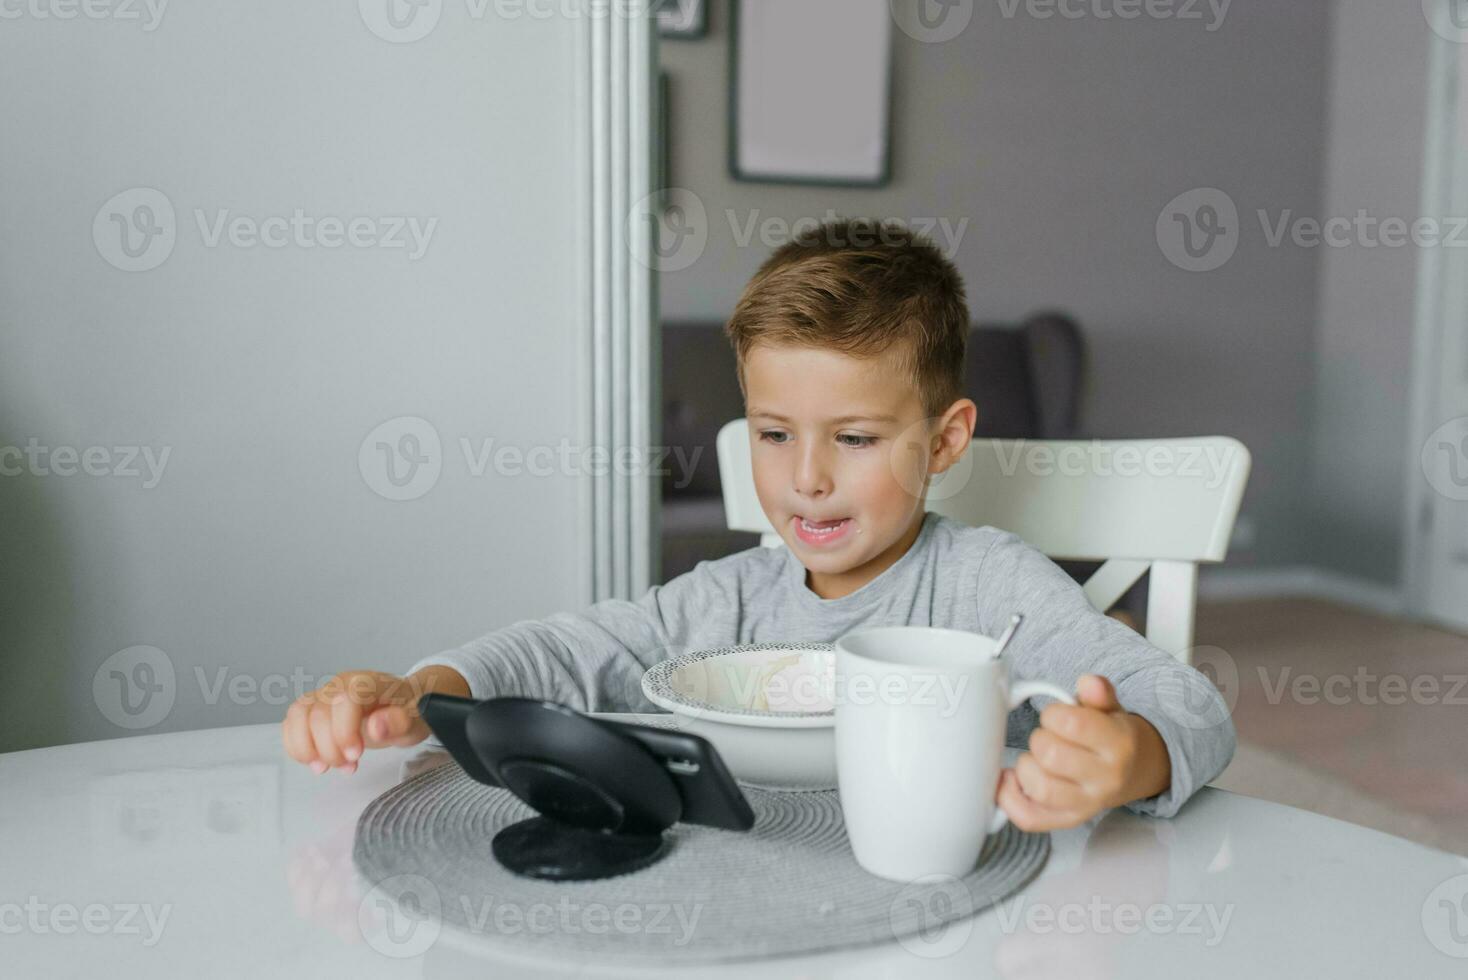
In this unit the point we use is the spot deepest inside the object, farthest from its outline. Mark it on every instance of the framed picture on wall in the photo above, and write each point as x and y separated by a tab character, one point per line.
682	19
811	91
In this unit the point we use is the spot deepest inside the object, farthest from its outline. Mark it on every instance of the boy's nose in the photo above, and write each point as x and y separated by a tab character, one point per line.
812	477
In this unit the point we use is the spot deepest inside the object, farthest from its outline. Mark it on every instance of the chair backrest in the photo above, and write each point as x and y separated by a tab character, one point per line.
1138	505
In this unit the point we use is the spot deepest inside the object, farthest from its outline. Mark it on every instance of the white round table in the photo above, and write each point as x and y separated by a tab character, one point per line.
211	854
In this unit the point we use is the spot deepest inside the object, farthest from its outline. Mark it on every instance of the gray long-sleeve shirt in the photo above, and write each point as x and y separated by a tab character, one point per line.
954	576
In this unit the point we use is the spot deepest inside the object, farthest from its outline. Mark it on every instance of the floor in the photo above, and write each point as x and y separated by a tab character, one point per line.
1345	713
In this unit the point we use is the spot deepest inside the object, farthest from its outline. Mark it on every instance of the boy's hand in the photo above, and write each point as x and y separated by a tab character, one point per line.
1083	760
362	709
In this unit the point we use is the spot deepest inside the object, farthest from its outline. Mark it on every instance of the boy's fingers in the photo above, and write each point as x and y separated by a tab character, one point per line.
1024	812
1046	788
346	724
296	733
1083	725
326	749
386	725
1062	757
1095	691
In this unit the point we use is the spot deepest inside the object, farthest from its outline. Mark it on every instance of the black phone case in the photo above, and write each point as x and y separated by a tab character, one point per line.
710	795
446	715
708	791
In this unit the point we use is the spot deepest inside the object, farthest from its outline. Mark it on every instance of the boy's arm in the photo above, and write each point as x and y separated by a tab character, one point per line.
1064	638
592	660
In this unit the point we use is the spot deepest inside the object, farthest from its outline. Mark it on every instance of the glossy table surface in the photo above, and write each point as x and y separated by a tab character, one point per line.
212	854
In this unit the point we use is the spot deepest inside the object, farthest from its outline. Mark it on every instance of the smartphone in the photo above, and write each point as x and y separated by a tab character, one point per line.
709	793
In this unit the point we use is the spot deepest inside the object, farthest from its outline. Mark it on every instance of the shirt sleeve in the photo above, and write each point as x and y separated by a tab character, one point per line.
1064	637
591	660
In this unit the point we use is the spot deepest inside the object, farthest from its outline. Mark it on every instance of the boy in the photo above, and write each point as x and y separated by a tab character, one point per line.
849	342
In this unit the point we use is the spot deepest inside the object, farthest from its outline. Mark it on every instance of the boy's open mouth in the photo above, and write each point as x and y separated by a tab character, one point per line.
820	532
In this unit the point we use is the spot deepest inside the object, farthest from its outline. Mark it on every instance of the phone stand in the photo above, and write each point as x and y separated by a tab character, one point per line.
604	800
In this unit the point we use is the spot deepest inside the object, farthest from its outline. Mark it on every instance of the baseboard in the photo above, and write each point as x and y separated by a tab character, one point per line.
1299	581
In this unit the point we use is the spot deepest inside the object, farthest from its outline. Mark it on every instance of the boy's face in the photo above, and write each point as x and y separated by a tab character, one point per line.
843	443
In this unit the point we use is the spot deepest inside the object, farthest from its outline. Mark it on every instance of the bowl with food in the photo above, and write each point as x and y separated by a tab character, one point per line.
769	709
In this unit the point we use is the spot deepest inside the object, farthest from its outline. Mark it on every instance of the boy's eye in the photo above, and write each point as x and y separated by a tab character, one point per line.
778	438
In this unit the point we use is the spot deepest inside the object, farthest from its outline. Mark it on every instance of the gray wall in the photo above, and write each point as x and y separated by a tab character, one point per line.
1368	295
1061	142
263	552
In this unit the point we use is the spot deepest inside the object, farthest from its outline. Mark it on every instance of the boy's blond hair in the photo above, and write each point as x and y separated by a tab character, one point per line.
861	287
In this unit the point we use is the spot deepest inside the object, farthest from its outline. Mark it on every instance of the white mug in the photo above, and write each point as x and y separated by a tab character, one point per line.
920	721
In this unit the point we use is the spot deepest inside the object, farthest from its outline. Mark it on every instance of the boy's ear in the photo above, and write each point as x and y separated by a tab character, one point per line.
955	430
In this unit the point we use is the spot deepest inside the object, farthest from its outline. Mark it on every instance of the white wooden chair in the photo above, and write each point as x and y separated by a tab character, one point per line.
1164	505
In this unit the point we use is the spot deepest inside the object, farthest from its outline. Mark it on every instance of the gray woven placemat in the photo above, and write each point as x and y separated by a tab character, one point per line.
790	885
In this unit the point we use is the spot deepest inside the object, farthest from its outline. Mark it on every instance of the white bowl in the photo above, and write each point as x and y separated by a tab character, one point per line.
776	734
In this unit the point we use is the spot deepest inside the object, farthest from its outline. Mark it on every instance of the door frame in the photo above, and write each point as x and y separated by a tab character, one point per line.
619	139
1441	146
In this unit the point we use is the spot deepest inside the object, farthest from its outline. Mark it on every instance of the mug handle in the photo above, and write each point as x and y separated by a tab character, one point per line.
1018	695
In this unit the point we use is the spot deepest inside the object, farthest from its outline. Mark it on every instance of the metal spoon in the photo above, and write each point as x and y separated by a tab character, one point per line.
1008	634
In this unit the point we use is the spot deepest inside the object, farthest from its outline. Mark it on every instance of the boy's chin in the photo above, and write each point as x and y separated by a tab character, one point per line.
833	562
